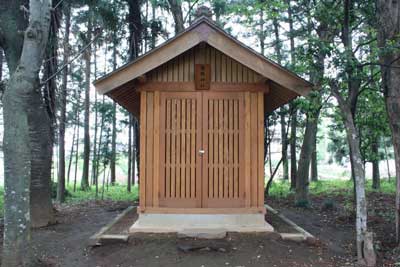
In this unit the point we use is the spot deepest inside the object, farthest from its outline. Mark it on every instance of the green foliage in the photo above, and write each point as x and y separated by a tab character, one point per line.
326	188
116	193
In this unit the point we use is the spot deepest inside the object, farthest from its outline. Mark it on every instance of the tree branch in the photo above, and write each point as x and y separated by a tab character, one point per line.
73	59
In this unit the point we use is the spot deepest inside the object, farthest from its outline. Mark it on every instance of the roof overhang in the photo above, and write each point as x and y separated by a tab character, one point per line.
203	30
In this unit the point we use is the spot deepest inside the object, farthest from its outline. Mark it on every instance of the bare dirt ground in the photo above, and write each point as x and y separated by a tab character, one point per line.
67	243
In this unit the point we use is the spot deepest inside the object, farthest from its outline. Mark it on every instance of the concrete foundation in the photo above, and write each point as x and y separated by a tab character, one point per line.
169	223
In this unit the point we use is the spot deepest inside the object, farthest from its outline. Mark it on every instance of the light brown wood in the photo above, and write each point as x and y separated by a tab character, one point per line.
149	148
260	142
152	86
254	149
156	161
247	148
252	210
142	177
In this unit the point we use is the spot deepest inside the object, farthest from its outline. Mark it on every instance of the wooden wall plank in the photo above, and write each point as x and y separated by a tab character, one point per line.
183	149
149	148
247	153
178	147
231	134
223	67
216	146
168	122
254	148
156	161
193	149
236	147
143	120
187	147
260	141
173	148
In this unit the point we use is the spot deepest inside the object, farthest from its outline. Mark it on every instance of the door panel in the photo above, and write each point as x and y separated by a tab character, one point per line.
223	141
180	133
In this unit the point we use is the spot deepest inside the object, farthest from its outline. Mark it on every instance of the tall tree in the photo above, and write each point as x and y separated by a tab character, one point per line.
87	56
22	124
175	6
388	36
63	107
347	100
313	105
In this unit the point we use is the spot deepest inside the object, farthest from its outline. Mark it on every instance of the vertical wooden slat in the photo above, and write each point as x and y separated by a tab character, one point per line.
143	126
168	122
220	149
164	76
193	149
217	66
234	71
229	69
250	76
254	146
156	161
149	148
240	73
199	113
212	63
211	147
170	71
183	150
247	149
186	67
236	147
216	146
223	68
173	148
261	149
181	68
225	150
187	147
178	148
245	74
163	144
191	65
230	148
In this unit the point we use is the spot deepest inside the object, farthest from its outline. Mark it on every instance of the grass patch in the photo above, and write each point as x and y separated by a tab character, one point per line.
281	188
116	193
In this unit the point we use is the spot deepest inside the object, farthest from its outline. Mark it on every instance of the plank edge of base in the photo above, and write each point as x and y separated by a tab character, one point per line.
95	239
306	235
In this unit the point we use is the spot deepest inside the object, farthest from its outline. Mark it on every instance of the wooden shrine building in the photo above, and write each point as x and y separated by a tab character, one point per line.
201	98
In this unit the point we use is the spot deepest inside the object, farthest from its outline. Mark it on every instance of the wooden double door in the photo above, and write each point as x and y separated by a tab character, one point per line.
202	150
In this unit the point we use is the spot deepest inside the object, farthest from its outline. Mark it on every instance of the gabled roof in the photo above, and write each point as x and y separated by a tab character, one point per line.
203	30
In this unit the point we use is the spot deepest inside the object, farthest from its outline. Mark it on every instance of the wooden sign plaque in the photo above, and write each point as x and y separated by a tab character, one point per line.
202	76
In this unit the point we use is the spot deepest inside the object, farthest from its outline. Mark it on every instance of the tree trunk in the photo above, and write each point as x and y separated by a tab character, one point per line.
63	110
359	177
388	32
284	140
71	153
86	135
176	10
113	145
1	66
376	180
114	122
292	105
21	126
136	141
301	196
135	28
129	179
293	141
96	112
77	146
314	161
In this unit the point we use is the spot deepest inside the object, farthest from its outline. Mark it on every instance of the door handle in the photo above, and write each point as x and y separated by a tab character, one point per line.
201	152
